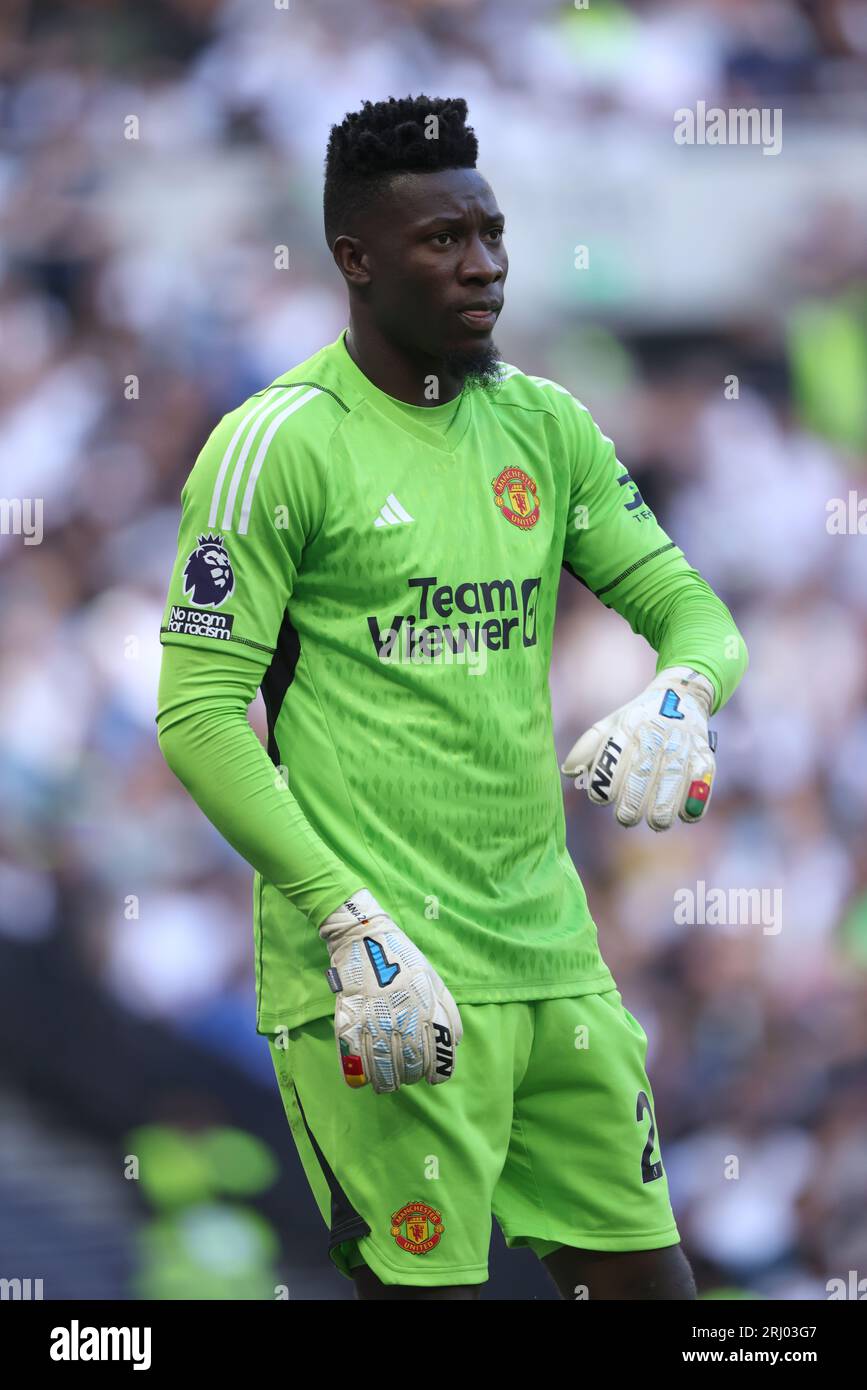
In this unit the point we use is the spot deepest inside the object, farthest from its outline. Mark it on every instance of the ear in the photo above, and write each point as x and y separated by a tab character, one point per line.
351	260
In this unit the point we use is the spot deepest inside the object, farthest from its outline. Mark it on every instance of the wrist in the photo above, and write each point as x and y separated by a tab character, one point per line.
686	680
352	914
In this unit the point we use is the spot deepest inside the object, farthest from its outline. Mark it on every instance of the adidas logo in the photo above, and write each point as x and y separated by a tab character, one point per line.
392	514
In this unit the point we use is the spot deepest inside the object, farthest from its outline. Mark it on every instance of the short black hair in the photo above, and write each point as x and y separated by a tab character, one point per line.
391	137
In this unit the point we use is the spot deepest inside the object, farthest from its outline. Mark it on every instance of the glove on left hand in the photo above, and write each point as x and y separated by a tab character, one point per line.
654	757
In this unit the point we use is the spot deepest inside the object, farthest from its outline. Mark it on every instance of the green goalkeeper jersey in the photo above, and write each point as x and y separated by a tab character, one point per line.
390	578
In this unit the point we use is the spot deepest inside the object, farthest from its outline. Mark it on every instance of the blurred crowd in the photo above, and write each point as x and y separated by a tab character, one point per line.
153	159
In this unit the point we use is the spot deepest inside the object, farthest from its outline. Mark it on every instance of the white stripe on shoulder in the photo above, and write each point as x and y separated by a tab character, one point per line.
510	371
546	381
255	423
262	451
507	370
251	415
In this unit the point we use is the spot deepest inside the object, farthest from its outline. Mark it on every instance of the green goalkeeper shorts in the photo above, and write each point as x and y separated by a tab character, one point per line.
547	1123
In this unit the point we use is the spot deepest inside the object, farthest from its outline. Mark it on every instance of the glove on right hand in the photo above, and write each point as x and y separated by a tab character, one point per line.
394	1019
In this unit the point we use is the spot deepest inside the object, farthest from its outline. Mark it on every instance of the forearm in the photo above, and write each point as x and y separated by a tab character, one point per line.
687	624
208	743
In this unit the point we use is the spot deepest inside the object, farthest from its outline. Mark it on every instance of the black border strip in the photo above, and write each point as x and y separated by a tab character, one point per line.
346	1222
637	565
245	641
284	385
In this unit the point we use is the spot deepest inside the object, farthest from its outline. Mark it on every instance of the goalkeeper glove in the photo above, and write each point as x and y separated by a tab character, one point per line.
653	757
394	1020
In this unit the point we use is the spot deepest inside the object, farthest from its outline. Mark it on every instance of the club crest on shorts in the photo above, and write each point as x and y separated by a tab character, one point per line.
515	495
417	1228
208	575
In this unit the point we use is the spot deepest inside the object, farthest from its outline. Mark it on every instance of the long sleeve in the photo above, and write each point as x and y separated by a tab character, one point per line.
253	500
209	744
617	548
687	624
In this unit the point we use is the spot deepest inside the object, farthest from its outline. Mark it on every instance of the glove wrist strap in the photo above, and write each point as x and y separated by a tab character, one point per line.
352	916
693	682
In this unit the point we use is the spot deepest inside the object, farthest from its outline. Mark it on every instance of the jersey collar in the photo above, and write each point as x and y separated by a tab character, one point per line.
411	420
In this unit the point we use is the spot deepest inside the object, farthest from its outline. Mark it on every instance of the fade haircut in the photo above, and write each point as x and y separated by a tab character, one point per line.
386	138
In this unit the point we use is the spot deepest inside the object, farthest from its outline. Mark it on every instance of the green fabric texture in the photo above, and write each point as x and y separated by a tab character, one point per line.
393	588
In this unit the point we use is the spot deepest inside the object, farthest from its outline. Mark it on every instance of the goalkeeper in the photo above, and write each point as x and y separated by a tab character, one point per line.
376	541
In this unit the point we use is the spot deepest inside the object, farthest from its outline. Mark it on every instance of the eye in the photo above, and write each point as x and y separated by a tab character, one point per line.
496	233
438	238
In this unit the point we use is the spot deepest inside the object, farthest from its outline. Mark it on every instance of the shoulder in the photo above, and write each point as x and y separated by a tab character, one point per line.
587	446
275	441
520	390
292	419
305	404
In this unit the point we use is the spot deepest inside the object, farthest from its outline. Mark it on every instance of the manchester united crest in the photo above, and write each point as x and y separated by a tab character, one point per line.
515	495
417	1228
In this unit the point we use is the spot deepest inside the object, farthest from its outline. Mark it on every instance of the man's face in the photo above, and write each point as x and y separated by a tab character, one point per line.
437	263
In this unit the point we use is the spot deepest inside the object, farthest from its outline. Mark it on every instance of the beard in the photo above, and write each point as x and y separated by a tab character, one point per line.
475	369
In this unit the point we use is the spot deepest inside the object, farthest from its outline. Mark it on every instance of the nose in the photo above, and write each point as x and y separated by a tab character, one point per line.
480	265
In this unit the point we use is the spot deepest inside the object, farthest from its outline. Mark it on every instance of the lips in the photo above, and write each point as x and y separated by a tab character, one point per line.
481	315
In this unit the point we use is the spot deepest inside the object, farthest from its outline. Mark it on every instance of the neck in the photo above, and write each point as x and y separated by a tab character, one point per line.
396	371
